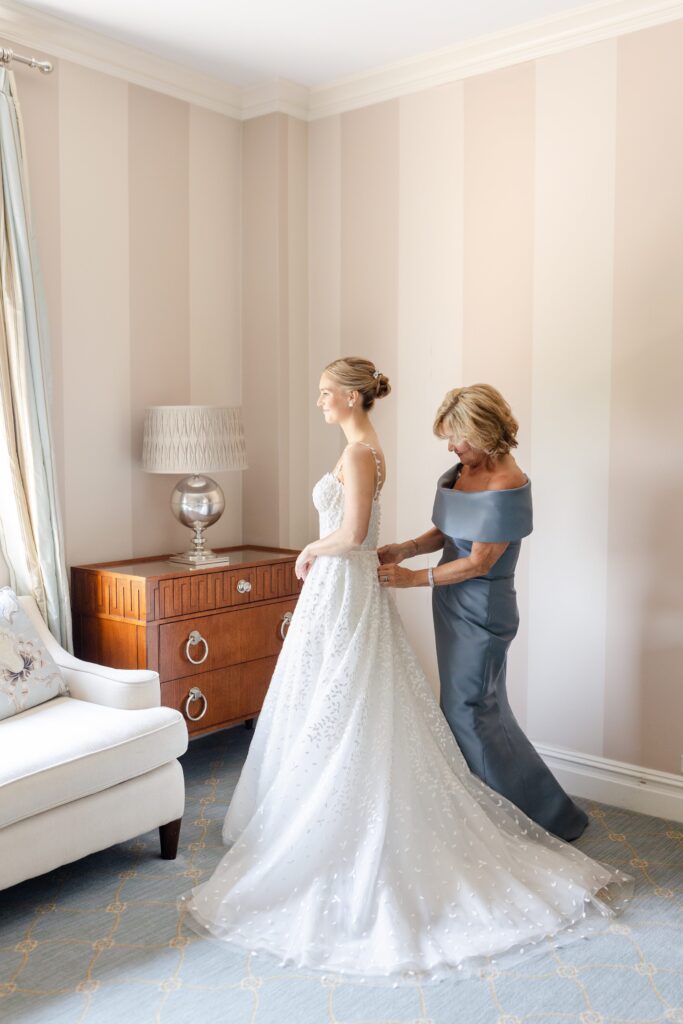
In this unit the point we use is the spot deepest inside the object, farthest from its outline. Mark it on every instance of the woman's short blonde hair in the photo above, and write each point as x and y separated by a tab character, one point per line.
359	375
479	415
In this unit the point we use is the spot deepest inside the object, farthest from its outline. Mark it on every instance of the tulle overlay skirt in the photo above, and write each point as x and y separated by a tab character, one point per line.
359	841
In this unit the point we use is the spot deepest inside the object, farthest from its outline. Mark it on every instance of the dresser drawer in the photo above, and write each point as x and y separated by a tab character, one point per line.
202	645
230	588
225	695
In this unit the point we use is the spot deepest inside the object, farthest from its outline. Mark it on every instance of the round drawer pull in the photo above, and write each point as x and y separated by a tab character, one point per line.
243	586
285	624
193	639
195	694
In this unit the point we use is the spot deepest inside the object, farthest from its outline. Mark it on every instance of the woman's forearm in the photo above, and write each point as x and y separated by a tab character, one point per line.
459	570
425	544
481	560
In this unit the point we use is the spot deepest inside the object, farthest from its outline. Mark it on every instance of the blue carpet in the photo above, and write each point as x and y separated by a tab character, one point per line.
101	940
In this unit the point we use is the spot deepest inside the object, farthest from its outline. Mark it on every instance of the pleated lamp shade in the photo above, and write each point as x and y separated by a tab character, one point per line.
193	439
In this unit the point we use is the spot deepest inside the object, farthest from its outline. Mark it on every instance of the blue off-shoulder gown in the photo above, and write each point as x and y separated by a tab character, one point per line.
475	622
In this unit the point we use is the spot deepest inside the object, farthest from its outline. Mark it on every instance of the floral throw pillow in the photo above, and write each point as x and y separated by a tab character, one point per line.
28	673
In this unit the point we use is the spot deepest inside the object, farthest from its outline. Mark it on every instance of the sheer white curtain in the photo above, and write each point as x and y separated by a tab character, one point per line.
30	527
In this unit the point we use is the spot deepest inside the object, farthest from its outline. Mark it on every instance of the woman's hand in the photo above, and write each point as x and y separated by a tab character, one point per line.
390	554
303	564
395	576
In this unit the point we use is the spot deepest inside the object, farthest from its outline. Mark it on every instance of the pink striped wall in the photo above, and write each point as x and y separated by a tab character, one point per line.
136	203
498	212
644	680
524	227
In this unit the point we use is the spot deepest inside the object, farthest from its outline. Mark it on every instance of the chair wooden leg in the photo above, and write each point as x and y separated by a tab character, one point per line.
169	835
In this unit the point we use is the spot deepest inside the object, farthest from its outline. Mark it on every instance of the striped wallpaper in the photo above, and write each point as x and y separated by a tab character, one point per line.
522	227
525	228
136	209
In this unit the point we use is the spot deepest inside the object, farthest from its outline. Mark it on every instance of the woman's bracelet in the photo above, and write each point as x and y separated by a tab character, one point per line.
430	577
413	541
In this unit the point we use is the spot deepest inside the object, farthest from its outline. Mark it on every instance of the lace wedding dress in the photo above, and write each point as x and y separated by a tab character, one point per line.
360	842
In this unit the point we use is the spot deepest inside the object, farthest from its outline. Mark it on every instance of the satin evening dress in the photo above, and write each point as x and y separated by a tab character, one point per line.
475	623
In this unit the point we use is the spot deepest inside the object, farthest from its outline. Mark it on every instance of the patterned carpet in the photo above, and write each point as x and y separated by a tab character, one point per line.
101	940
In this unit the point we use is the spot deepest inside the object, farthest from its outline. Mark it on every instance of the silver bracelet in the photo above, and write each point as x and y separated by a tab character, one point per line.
430	577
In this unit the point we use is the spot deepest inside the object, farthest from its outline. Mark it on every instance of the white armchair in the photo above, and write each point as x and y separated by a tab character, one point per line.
80	773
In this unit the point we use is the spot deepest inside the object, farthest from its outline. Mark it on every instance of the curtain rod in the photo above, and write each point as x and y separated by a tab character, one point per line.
8	55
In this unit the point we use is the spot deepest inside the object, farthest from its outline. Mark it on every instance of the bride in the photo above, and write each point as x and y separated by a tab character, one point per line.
360	842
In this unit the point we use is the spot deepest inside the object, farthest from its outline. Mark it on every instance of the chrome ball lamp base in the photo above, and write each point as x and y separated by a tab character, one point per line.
197	501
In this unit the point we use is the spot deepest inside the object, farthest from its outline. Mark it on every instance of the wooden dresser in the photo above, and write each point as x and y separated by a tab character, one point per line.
213	635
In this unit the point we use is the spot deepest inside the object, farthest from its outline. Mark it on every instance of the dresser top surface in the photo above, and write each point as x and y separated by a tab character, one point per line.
159	566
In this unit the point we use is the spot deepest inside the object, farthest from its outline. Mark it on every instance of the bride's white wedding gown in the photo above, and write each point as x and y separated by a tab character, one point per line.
360	841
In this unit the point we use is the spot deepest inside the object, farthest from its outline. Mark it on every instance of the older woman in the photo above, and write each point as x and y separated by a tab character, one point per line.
481	512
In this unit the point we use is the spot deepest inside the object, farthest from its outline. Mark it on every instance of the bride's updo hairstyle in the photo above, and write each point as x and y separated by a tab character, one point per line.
479	415
359	375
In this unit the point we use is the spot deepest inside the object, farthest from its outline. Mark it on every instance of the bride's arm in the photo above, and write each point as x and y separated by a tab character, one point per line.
359	490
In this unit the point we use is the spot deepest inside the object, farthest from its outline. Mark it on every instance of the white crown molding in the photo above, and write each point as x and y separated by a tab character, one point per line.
60	39
278	96
630	786
591	23
579	27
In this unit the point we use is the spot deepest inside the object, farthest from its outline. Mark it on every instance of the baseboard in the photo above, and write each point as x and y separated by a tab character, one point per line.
630	786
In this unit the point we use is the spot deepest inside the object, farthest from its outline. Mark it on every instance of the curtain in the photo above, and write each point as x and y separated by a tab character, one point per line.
30	526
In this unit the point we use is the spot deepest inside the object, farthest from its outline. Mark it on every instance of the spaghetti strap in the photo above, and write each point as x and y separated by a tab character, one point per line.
378	467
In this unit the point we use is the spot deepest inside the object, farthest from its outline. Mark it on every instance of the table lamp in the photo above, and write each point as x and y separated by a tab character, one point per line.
195	440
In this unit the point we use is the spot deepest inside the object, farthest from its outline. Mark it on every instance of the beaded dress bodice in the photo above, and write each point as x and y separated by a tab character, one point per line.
328	498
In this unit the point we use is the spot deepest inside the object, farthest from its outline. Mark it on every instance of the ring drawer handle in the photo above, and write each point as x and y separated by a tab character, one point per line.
243	586
193	639
285	624
195	694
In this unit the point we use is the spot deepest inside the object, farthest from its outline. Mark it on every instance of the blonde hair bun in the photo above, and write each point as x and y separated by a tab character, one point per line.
361	375
383	386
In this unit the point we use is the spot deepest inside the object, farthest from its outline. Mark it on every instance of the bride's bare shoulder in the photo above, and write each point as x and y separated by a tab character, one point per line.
357	453
363	460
